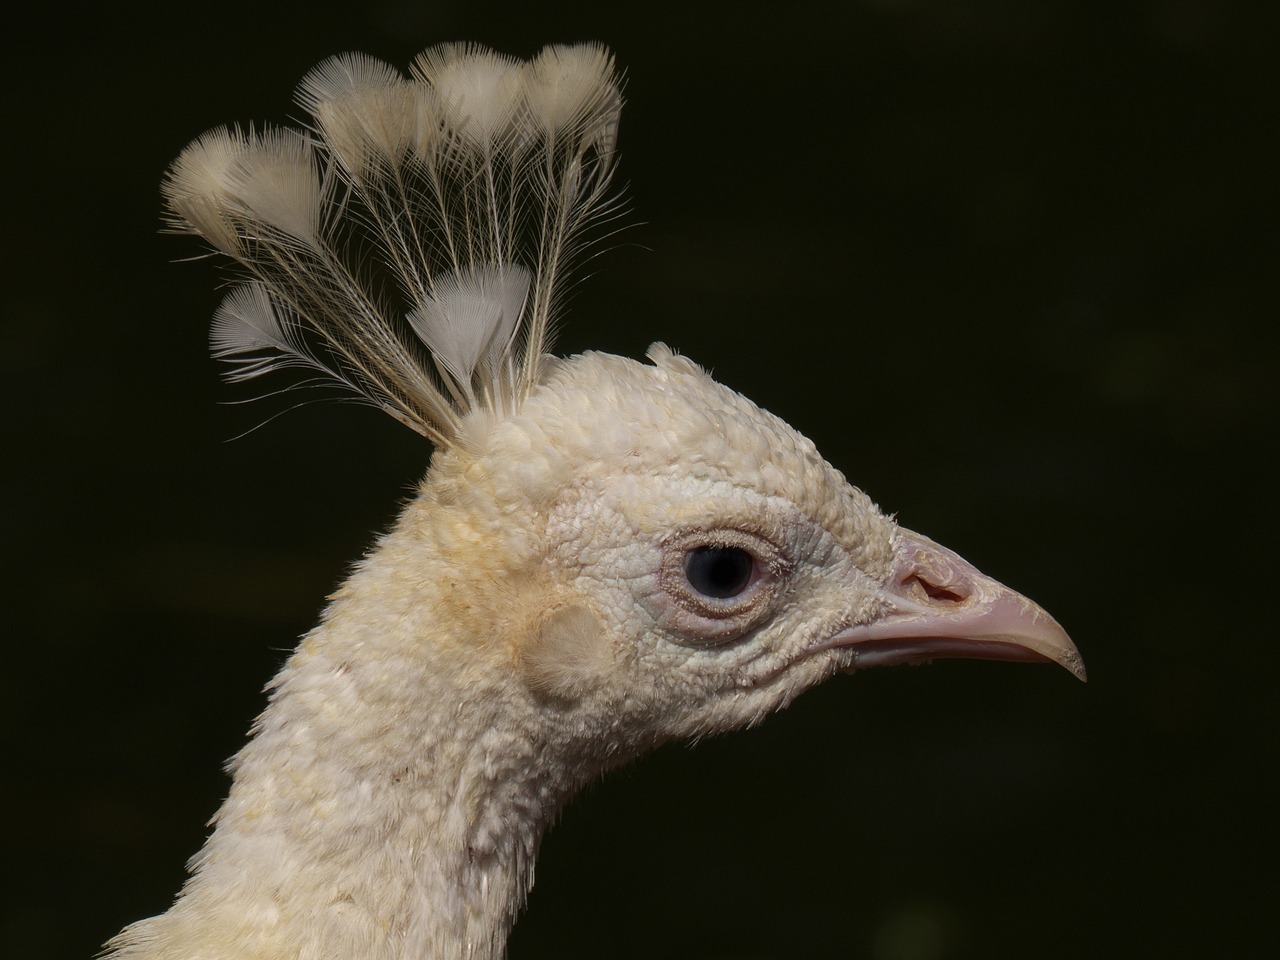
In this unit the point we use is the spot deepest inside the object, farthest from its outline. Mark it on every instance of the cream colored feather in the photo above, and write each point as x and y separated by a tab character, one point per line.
603	556
450	203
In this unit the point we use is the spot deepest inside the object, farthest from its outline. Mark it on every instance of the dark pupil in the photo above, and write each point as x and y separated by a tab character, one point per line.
719	572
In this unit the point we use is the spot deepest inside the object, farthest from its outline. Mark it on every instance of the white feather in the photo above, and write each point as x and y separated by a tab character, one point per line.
365	110
480	91
472	315
244	324
454	201
275	181
197	188
257	336
571	89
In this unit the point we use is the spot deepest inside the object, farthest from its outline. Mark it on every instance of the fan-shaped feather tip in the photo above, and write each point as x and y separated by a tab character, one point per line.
413	243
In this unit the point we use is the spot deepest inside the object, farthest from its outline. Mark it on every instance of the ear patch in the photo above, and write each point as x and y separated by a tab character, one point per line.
567	654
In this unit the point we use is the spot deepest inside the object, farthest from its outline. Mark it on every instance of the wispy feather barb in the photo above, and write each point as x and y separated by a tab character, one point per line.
448	204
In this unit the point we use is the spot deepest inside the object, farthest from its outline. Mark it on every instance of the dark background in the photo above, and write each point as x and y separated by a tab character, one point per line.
1010	263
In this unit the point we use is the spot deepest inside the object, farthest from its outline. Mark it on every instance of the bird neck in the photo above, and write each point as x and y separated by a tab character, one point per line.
392	799
423	851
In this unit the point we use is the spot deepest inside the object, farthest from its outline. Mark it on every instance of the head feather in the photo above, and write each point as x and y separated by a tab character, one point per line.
412	243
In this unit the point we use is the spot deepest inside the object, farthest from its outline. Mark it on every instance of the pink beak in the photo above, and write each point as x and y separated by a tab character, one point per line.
940	606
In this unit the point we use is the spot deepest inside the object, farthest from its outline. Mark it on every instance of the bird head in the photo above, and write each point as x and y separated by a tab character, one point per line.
647	547
691	563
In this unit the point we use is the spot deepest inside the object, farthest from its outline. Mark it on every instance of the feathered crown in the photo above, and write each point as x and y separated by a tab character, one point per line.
450	203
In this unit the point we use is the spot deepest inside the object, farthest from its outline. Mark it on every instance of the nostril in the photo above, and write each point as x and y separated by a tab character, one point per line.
919	584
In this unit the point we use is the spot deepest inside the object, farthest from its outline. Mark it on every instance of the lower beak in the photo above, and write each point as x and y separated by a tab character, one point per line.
939	606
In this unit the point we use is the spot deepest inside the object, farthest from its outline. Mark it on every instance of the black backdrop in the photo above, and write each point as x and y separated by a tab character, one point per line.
1008	262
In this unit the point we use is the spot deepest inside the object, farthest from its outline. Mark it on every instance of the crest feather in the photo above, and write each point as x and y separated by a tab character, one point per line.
447	205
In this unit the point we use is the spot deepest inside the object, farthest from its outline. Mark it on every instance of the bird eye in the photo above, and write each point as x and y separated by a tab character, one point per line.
718	583
719	572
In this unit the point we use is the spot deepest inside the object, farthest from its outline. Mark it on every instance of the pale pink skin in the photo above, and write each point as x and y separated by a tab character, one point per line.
942	607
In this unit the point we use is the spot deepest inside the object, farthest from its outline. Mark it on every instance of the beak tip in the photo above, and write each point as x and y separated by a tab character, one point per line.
1074	663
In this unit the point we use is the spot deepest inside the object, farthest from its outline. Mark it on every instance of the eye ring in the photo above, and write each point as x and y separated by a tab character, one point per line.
719	584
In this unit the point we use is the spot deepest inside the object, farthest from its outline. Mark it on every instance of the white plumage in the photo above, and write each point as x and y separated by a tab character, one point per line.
604	555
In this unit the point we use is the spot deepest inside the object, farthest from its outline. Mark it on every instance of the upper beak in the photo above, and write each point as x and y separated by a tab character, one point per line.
939	606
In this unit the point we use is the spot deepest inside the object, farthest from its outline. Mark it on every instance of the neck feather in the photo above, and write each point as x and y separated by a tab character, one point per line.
394	794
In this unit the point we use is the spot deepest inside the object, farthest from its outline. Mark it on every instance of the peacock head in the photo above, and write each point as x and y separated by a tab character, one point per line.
691	561
698	563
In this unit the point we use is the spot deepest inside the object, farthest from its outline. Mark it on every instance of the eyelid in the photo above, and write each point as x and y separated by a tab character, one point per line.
704	620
